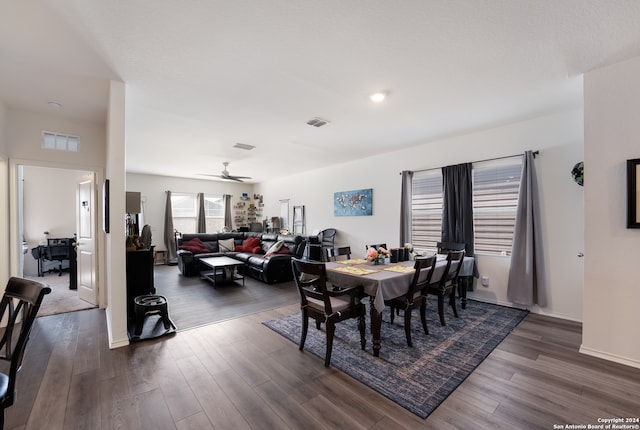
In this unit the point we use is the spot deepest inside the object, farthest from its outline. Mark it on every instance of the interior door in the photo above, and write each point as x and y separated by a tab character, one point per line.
85	242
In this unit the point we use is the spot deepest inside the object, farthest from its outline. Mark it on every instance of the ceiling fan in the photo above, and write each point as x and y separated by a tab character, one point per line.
226	175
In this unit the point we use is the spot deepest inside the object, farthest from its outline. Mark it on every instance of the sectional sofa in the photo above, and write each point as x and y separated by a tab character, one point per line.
262	260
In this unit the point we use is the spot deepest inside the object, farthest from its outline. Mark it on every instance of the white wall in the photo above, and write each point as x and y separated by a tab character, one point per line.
152	189
49	205
558	137
4	199
612	289
24	140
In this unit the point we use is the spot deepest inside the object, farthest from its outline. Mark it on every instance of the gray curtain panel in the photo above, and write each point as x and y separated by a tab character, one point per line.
169	236
527	284
201	221
227	211
405	207
457	213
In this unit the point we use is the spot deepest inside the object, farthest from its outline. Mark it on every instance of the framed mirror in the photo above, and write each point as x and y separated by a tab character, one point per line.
633	193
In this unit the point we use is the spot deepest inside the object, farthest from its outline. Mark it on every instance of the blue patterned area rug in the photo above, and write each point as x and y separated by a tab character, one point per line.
418	378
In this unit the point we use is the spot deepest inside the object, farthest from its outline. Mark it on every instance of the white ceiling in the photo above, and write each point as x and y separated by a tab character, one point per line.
202	75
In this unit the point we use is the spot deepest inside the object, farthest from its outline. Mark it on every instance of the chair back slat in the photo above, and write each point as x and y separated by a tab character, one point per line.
424	268
22	298
333	253
311	281
454	264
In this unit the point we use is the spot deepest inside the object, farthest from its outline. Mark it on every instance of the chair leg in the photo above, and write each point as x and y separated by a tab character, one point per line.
441	309
362	328
452	302
331	328
305	327
318	325
423	315
407	326
392	314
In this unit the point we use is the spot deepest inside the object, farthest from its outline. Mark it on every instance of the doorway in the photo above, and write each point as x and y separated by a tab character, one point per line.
48	210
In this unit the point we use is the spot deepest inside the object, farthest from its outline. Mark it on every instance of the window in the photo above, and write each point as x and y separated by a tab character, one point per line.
214	213
496	184
60	142
184	207
426	209
495	200
185	210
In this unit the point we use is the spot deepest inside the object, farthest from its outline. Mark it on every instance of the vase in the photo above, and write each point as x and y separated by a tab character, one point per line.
378	261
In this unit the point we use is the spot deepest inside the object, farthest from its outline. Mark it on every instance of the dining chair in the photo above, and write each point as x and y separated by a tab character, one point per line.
328	237
416	296
376	246
21	300
447	284
333	253
446	247
325	305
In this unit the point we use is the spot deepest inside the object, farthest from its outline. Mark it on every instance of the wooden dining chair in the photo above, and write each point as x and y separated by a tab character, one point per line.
416	296
376	246
22	299
334	253
325	305
446	247
446	286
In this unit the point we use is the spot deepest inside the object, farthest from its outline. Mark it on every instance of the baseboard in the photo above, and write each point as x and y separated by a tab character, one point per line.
609	357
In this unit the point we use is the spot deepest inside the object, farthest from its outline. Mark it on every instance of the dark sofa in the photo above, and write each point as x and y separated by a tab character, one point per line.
267	268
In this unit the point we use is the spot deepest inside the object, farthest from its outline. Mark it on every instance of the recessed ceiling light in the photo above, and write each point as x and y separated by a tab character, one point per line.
54	105
377	97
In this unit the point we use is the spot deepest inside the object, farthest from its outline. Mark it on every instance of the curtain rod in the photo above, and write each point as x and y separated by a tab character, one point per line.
480	161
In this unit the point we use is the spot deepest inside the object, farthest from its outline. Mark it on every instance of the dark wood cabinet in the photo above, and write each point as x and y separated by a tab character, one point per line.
139	276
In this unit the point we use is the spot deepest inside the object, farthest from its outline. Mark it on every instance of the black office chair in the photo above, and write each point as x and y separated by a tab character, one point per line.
58	250
23	298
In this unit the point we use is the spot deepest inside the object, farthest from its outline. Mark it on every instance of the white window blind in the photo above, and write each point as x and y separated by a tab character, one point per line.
214	213
496	184
183	209
426	209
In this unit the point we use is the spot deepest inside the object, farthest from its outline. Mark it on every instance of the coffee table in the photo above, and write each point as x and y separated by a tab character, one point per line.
218	272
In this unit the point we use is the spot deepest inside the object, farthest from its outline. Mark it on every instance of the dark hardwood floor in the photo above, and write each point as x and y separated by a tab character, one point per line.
238	374
194	302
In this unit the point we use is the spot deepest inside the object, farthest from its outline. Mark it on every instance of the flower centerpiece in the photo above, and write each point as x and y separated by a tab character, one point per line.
377	256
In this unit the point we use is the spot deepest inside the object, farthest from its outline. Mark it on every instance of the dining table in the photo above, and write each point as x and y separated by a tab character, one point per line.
383	282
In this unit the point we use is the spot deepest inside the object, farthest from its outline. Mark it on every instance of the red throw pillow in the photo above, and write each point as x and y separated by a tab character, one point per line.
257	250
240	248
195	245
251	242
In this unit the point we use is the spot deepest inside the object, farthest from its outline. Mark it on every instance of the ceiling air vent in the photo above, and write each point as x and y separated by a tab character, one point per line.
60	142
317	122
243	146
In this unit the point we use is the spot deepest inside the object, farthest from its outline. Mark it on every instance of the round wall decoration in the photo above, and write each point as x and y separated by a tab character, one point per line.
578	173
